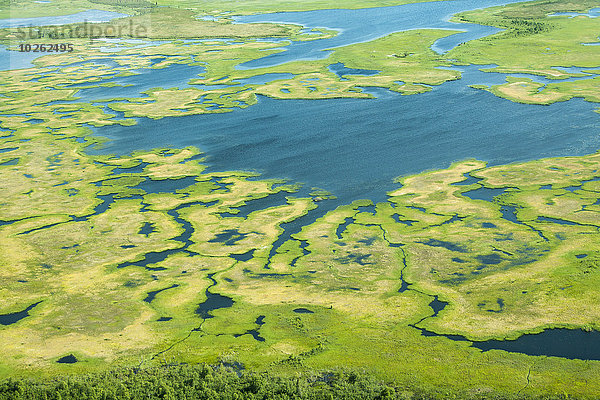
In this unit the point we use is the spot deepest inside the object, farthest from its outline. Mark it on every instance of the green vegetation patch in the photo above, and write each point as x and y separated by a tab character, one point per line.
536	42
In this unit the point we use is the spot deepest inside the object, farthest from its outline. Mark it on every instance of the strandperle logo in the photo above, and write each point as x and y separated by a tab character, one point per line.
83	30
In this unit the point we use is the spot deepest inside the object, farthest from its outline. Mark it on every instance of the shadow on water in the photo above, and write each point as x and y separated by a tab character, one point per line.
13	318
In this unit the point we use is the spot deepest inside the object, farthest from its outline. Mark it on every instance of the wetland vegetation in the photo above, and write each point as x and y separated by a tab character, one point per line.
155	264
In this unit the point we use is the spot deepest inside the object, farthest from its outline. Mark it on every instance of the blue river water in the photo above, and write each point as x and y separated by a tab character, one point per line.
356	147
84	16
593	13
15	60
356	26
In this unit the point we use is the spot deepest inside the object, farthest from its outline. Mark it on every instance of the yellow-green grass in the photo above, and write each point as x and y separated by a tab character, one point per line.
173	23
31	8
533	43
404	59
524	90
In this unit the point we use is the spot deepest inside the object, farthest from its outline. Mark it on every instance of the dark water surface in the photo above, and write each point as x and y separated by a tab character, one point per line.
559	342
567	343
556	342
356	147
214	301
13	318
70	359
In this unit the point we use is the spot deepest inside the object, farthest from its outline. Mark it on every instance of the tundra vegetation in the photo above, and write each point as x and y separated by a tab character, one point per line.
149	259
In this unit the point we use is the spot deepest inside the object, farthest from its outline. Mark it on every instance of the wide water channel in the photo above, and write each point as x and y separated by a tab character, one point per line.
357	26
356	147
